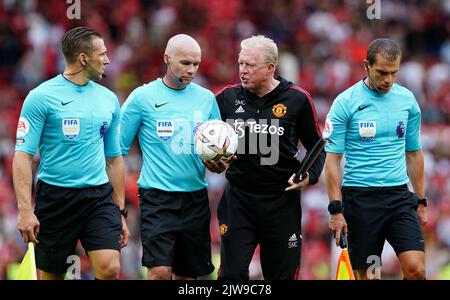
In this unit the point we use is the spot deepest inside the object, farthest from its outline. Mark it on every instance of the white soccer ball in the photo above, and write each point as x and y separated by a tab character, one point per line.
215	140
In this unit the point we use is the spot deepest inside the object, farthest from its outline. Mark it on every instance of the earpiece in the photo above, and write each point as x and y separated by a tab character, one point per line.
177	80
86	64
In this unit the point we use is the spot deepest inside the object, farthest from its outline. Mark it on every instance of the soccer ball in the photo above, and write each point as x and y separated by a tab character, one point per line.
215	140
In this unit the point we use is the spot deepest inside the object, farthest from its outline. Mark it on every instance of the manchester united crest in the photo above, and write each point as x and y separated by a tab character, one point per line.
279	110
223	229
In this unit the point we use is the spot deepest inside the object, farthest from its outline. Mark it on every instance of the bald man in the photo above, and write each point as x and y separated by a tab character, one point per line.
174	204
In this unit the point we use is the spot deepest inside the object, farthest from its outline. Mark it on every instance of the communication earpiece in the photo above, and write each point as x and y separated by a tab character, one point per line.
177	80
86	64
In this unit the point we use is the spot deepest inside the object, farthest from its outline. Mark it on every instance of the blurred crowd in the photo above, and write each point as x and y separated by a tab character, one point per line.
322	44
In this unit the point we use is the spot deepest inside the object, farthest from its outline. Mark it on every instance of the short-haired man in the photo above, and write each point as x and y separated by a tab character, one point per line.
376	124
80	190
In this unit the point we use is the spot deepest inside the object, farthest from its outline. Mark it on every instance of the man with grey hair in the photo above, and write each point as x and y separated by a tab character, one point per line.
175	215
376	124
261	202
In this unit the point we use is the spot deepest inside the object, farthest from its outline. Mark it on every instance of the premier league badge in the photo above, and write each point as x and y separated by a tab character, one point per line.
103	129
71	128
400	129
367	130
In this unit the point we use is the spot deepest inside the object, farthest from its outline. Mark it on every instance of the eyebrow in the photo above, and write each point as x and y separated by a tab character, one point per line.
386	72
190	61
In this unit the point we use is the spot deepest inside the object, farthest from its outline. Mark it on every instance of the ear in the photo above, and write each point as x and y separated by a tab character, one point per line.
166	58
366	64
271	68
82	59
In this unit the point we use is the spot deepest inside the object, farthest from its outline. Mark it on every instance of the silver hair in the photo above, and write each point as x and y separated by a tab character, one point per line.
268	47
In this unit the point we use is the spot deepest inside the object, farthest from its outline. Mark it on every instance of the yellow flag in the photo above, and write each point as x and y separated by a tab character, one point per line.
344	269
27	269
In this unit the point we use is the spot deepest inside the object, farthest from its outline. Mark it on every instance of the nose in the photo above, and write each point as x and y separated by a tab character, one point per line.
106	61
191	70
388	79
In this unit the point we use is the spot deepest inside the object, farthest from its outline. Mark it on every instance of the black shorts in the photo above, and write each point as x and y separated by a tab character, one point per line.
377	214
272	220
175	231
67	215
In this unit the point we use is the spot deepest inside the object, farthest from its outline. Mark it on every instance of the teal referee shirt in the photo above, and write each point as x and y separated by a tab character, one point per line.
74	127
164	120
373	131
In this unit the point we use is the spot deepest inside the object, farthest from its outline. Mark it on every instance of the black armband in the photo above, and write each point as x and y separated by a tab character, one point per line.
335	207
124	212
423	201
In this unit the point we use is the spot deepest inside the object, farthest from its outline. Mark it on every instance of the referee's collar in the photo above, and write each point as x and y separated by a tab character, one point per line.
71	82
370	91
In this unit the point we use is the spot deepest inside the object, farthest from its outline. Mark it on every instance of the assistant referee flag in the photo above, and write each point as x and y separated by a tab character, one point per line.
27	269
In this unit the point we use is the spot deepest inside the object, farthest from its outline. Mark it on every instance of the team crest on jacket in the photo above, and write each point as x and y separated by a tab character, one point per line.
223	229
279	110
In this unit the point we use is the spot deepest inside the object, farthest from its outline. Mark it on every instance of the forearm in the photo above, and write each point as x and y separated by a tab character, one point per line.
115	168
333	177
316	169
415	166
23	180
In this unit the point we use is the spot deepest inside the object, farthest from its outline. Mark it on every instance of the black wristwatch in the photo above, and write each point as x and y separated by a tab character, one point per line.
423	201
335	207
124	212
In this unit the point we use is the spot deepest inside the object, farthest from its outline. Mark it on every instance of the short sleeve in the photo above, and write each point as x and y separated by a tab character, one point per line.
31	123
130	121
413	142
111	139
335	129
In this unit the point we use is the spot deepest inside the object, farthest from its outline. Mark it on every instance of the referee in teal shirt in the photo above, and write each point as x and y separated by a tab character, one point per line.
375	124
74	122
174	205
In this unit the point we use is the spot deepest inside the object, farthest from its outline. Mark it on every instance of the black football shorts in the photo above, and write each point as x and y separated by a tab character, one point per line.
377	214
67	215
175	231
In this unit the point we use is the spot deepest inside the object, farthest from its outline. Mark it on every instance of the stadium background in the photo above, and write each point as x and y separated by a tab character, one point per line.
321	45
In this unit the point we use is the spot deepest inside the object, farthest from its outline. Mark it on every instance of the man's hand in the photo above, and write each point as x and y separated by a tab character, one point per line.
299	185
422	214
125	234
217	167
28	226
338	225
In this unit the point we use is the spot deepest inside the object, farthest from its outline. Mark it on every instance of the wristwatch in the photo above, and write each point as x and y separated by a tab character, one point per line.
335	207
124	212
423	201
